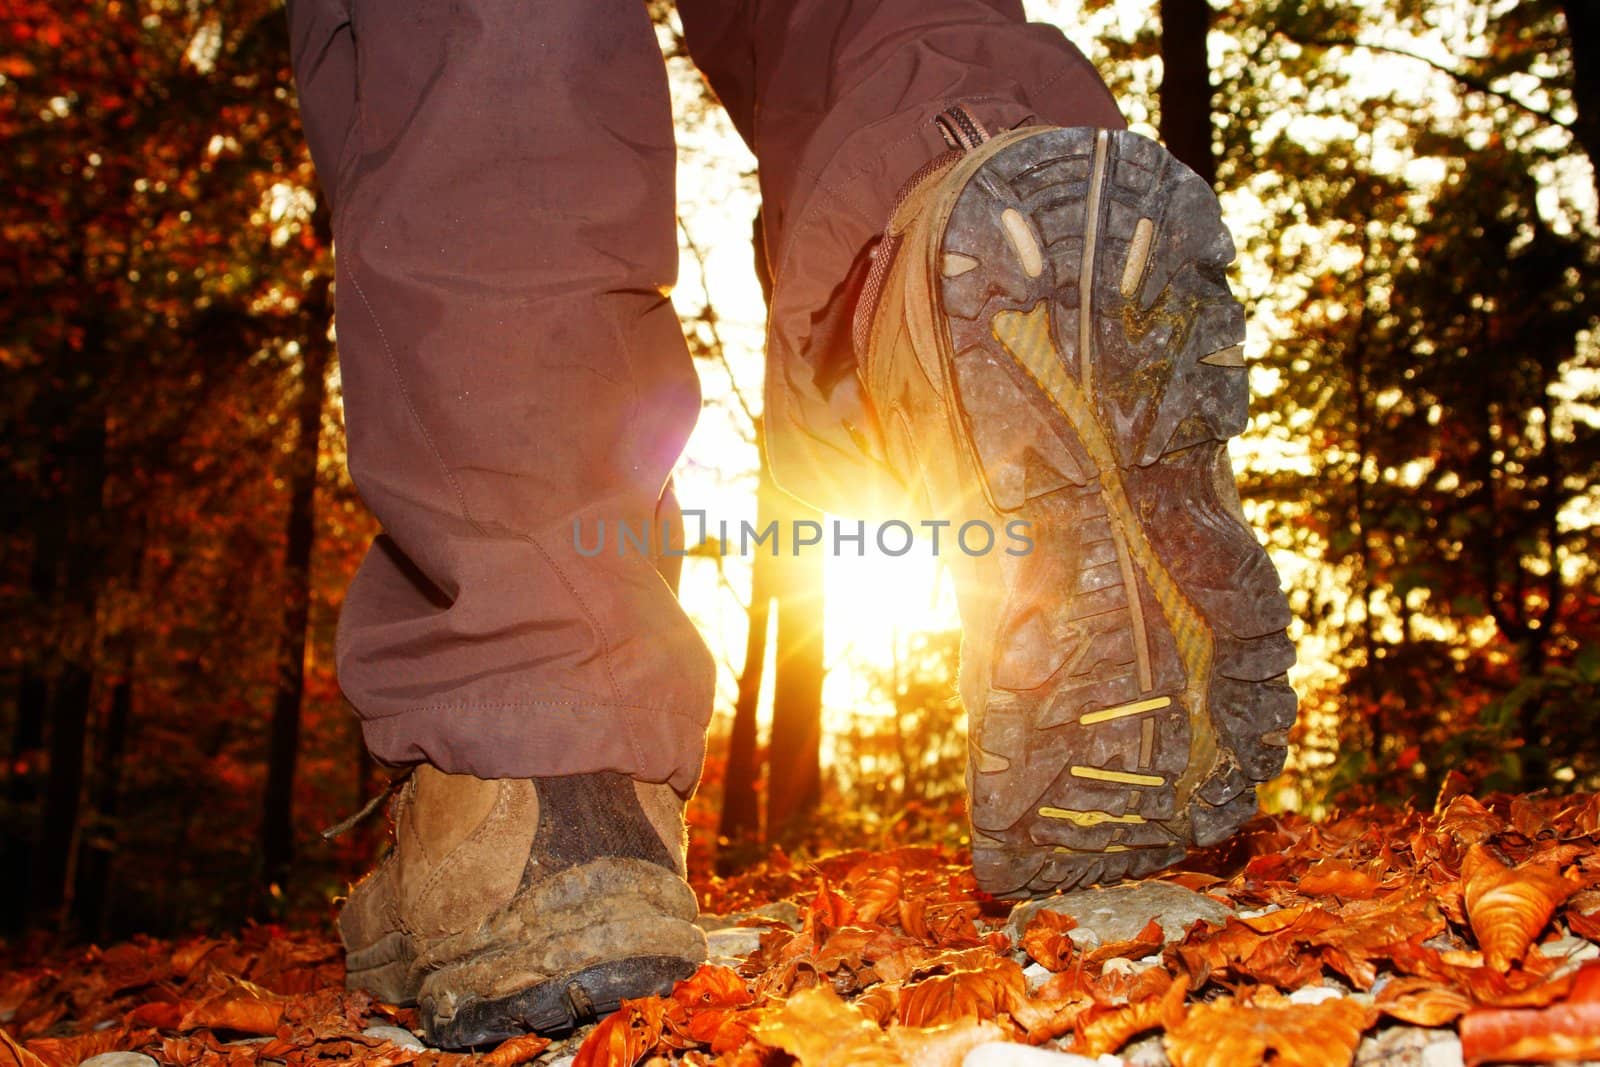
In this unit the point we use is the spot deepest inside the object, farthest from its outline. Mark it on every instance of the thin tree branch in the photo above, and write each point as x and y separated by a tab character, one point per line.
1463	78
709	317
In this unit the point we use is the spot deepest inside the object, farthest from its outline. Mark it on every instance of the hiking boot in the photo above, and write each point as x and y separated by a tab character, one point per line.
516	905
1049	338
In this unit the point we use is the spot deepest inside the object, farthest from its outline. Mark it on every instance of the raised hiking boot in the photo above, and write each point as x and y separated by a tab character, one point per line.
516	905
1051	339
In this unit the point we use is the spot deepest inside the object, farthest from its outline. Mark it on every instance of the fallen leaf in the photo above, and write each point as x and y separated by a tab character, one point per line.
1569	1030
875	891
1508	907
1046	939
948	998
14	1055
1234	1033
1337	878
621	1040
820	1030
238	1005
516	1050
1107	1031
1144	943
1422	1002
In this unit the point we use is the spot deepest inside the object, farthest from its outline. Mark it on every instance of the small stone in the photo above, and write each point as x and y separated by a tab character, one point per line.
1315	994
1572	949
778	913
734	942
564	1061
1010	1054
1401	1046
1445	1052
1037	975
1148	1051
119	1059
1119	912
395	1035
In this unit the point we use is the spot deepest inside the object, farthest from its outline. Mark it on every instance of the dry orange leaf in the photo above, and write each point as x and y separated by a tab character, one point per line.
71	1051
948	998
620	1040
1469	822
1569	1030
239	1005
1506	906
516	1050
820	1030
1046	939
14	1055
1233	1033
1378	929
875	891
1422	1002
1144	943
1108	1031
1337	878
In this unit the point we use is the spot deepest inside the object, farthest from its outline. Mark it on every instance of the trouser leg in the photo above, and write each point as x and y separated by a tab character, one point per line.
837	101
502	184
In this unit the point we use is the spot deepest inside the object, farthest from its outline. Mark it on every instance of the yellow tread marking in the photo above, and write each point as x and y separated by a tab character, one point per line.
1100	774
1138	708
1232	356
954	264
1147	742
1026	335
1092	852
1023	241
1138	255
1088	818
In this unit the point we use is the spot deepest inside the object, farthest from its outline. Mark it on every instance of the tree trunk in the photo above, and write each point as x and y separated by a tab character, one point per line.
82	465
1186	85
277	822
19	842
100	846
794	760
740	823
794	754
1583	39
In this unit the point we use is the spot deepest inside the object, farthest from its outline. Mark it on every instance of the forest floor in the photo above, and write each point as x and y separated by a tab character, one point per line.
1463	935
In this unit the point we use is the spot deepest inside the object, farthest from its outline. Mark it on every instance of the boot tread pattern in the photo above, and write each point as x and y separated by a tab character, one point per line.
1137	691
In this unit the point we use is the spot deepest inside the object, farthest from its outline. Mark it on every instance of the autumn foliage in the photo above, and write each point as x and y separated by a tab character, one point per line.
1478	917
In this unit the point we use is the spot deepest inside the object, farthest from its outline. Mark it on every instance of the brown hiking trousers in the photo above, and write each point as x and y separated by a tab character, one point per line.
501	176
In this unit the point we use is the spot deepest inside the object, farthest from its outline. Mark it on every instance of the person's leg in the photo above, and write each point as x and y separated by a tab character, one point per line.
502	187
1047	344
503	212
837	100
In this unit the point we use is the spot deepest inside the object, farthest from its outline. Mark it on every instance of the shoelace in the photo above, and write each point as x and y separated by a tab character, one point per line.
962	132
346	825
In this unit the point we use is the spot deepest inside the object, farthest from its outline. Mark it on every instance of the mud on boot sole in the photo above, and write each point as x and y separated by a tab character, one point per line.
553	1006
1137	688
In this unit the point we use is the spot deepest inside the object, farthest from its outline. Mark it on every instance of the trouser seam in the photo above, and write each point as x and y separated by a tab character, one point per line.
589	616
411	407
476	705
461	500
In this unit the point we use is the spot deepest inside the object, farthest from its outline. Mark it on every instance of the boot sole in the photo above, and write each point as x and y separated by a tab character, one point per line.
1137	688
554	1006
565	951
